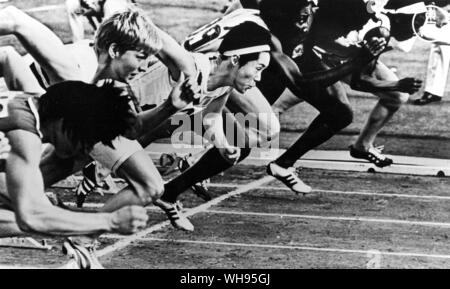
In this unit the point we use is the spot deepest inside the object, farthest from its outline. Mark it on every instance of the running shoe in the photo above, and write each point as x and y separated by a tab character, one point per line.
199	189
373	155
82	257
87	185
289	178
426	99
174	214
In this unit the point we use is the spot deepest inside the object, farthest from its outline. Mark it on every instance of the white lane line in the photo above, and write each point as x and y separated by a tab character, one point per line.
332	192
432	197
357	219
129	239
85	205
299	216
406	196
99	205
302	248
335	192
44	8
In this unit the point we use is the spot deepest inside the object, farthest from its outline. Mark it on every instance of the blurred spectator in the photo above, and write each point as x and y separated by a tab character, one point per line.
437	72
94	11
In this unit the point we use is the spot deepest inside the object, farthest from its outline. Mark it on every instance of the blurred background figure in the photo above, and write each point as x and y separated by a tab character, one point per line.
437	70
94	11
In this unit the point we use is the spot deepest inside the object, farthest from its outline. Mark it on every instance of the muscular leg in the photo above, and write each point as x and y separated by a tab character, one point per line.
335	114
8	224
383	111
331	102
45	47
145	182
285	102
16	72
253	112
210	164
262	126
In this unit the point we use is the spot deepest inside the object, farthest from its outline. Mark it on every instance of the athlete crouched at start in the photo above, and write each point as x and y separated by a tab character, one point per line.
72	116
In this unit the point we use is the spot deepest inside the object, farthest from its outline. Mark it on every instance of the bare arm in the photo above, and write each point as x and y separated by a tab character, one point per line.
75	20
364	81
180	96
294	79
213	123
34	212
54	168
175	57
42	43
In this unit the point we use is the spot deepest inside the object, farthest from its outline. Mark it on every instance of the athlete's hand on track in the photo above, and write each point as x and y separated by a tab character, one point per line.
375	45
183	93
230	153
409	85
129	220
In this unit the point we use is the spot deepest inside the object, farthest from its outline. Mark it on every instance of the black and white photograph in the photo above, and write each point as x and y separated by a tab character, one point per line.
224	134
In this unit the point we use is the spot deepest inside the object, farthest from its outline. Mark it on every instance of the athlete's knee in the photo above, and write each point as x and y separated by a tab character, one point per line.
340	116
267	130
245	152
147	188
394	100
151	191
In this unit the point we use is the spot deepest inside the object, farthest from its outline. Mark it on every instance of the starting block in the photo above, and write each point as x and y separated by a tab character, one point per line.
24	243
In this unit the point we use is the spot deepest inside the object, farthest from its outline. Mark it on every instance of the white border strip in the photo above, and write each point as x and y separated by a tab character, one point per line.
128	240
302	248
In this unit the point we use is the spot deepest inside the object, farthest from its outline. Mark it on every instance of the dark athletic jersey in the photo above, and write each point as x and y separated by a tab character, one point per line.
22	115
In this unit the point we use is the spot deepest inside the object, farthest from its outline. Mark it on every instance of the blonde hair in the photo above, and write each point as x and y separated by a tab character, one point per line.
129	30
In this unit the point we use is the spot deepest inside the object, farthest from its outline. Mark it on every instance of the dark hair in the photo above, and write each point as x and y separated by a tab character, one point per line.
244	59
351	15
401	25
282	17
129	30
245	35
89	113
278	13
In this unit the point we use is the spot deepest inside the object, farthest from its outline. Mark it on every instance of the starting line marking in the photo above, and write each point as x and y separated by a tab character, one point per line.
128	240
328	160
320	191
280	215
356	219
302	248
436	197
